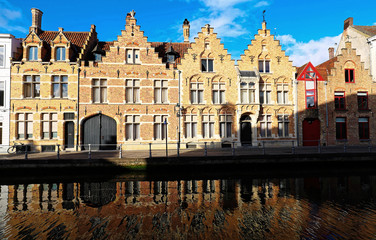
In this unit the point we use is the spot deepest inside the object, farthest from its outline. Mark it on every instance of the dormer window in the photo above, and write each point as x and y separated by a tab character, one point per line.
60	54
97	57
171	58
33	54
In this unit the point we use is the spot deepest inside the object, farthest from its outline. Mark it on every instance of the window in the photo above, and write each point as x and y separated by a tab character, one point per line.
2	56
33	53
218	93
363	128
1	132
2	94
24	123
68	116
49	125
310	94
283	125
207	65
266	126
208	126
99	90
265	93
190	122
132	91
160	91
97	57
339	101
60	86
349	76
32	86
60	53
197	93
225	124
160	127
132	128
341	132
247	92
283	93
133	56
362	100
264	66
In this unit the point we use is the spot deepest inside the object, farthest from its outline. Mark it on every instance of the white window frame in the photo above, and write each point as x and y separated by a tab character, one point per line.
225	125
266	126
197	92
61	81
283	125
208	121
26	122
132	90
247	92
160	127
62	56
133	56
34	86
132	127
34	55
50	122
101	88
190	126
219	89
265	62
161	91
2	56
207	64
265	93
283	93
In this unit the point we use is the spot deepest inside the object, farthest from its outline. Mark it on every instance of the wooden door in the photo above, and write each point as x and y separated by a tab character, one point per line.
311	132
69	134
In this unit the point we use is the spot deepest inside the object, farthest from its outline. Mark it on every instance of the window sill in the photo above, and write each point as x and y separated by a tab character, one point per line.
364	110
365	140
207	72
342	140
341	110
132	103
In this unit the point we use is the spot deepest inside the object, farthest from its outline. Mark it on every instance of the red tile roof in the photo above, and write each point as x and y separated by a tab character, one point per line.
105	46
324	68
369	30
162	47
76	38
300	69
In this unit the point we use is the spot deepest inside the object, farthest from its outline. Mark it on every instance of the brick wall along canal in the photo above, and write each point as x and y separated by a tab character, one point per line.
290	208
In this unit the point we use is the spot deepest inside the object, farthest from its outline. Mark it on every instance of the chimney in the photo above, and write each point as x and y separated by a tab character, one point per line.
331	52
186	28
36	20
348	22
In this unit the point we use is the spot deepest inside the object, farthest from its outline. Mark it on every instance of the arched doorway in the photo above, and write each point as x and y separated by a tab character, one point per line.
100	131
311	132
245	130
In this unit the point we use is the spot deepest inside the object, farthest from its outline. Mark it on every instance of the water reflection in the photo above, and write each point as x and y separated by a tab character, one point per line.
300	208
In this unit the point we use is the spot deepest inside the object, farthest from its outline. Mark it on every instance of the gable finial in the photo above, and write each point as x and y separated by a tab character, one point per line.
263	15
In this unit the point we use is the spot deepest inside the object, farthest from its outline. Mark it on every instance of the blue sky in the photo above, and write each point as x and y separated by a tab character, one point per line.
306	28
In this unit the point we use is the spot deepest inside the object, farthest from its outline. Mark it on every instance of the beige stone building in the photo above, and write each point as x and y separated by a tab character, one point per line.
209	92
129	92
266	93
44	85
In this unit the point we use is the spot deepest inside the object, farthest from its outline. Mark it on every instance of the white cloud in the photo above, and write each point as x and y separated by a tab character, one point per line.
315	51
226	16
9	16
374	24
262	4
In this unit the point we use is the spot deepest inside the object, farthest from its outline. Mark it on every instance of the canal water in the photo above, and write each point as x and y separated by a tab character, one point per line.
140	208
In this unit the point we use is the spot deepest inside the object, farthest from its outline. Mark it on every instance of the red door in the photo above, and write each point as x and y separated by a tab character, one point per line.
311	132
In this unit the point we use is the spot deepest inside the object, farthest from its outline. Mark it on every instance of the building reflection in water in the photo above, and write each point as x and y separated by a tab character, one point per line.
207	209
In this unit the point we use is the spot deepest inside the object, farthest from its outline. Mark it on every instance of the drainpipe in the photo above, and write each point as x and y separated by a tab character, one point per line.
78	105
296	112
326	113
179	111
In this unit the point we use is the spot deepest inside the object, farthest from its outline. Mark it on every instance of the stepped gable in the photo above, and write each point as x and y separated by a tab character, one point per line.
369	30
162	47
